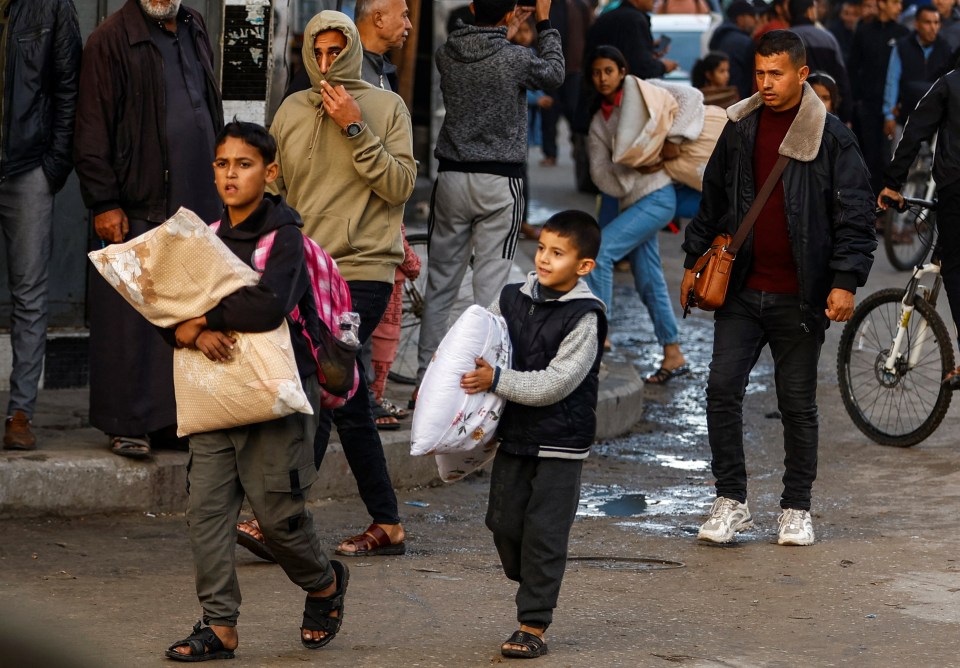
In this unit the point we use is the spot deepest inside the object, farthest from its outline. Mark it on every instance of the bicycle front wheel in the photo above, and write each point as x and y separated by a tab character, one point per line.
904	406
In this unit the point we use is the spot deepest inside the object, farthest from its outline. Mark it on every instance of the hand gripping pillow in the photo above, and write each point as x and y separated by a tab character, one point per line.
181	270
448	419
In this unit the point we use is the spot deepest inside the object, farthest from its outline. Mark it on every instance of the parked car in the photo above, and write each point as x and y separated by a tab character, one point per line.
689	36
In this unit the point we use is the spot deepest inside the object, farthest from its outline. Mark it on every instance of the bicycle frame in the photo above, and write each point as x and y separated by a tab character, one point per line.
913	289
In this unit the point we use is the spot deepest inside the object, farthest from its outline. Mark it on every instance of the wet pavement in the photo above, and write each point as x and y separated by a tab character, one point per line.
880	587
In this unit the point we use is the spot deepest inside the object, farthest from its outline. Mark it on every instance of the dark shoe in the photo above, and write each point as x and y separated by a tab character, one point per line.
133	447
250	537
383	419
664	375
533	646
317	611
204	646
17	434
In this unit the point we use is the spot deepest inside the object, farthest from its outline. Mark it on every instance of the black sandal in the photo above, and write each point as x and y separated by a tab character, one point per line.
533	646
245	538
316	611
204	646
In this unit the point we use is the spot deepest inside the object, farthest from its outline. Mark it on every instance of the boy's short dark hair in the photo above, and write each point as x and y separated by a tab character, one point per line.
783	41
490	12
253	134
580	228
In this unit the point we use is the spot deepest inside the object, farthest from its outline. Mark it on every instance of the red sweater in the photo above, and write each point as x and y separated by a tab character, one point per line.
773	267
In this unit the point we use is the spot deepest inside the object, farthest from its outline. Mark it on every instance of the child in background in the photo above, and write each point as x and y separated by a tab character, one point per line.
269	462
826	88
711	75
557	328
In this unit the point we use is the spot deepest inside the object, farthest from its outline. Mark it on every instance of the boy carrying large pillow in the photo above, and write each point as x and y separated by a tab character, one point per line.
227	464
557	328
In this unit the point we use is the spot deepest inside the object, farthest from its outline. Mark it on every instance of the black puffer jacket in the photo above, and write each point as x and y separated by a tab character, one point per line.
40	88
937	111
829	204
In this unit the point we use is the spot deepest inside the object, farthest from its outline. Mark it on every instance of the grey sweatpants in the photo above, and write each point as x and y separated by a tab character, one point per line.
272	463
470	214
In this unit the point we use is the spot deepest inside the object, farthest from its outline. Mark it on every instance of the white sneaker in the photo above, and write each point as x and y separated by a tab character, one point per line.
727	517
796	528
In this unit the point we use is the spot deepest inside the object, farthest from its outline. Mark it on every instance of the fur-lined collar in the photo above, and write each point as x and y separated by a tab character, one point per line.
803	138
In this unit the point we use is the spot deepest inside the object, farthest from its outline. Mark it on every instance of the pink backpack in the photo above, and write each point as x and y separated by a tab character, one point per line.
335	359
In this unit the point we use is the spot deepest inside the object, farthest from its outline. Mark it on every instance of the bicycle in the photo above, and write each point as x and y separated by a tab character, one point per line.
404	369
894	353
904	239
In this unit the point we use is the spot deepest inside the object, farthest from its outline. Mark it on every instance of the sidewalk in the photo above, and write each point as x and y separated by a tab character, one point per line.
74	473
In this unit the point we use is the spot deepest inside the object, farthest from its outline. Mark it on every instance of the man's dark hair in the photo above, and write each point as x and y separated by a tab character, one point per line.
926	8
580	228
250	133
783	41
490	12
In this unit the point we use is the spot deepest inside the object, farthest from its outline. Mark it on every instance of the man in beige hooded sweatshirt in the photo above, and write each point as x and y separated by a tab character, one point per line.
346	164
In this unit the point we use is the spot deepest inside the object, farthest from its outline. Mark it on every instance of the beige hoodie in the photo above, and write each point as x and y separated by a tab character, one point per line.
350	192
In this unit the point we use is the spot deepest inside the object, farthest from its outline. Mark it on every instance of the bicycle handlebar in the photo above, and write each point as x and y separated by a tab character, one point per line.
911	201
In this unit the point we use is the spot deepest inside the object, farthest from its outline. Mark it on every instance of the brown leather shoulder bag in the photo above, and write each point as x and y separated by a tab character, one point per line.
714	268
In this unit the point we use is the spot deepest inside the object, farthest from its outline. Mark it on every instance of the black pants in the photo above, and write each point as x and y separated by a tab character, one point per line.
744	325
564	104
355	425
533	502
948	245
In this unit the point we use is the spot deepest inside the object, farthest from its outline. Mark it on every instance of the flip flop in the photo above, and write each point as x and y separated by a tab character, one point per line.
130	446
246	538
393	409
381	413
663	375
372	542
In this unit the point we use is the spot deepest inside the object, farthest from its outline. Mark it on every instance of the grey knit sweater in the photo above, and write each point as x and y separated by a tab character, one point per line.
566	371
484	78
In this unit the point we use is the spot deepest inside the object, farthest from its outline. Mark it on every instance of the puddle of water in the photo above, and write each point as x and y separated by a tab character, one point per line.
679	462
614	501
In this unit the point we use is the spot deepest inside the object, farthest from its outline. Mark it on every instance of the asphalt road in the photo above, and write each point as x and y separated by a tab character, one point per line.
880	587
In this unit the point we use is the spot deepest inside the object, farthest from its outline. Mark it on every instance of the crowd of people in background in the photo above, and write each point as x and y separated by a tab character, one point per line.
140	118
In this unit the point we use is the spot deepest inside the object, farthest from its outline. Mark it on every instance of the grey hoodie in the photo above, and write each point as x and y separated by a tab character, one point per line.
484	78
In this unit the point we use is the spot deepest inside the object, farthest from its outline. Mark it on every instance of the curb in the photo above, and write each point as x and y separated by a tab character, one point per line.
73	473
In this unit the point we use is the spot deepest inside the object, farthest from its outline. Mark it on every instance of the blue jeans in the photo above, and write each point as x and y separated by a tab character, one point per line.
26	218
633	234
743	326
355	425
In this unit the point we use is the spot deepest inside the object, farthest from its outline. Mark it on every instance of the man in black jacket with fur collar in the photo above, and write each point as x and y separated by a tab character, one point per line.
810	249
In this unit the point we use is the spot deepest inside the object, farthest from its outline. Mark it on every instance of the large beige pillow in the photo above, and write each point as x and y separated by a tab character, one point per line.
258	384
689	166
181	270
646	116
174	272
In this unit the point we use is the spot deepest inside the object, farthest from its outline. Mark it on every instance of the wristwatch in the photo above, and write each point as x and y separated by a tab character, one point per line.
353	129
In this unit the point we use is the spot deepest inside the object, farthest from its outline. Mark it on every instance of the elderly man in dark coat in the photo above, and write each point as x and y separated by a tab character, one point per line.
147	117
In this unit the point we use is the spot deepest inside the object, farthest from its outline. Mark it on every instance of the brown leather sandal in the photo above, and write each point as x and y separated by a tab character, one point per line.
372	542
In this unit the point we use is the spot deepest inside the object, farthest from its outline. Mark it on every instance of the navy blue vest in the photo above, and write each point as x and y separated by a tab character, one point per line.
568	427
